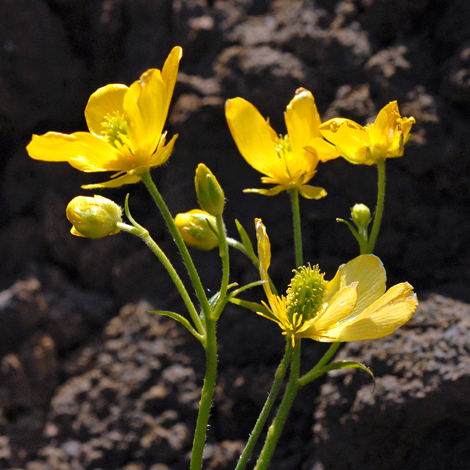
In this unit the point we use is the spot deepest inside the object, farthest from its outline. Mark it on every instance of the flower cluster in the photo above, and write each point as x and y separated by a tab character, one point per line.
126	136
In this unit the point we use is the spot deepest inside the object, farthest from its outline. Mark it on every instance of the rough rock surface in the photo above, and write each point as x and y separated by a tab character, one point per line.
416	414
58	292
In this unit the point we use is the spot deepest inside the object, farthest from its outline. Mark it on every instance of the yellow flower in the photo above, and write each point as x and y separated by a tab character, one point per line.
288	161
352	306
93	217
198	229
126	129
385	138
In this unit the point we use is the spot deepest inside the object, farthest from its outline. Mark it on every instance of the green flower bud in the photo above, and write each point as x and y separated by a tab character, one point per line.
305	294
210	195
198	229
93	217
360	214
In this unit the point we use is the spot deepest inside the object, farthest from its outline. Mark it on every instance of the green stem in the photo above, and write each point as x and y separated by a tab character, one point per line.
223	250
144	235
380	206
193	274
311	375
278	378
275	430
206	396
294	194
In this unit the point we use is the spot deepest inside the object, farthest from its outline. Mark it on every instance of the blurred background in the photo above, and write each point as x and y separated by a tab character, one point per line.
60	291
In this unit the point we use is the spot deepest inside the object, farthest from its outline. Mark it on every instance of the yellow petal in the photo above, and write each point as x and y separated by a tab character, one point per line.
324	150
349	138
103	102
170	73
82	150
264	249
302	121
115	183
369	272
339	307
145	110
312	192
75	232
164	151
405	124
266	192
386	121
382	318
252	135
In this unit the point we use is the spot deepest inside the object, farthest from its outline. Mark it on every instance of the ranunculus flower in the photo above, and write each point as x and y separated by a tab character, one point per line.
385	138
352	306
288	161
125	129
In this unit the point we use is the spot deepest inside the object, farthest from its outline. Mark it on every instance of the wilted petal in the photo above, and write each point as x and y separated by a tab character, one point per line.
264	249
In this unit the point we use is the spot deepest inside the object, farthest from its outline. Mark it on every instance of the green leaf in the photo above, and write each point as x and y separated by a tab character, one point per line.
314	374
356	234
179	318
246	242
254	307
215	298
244	288
348	365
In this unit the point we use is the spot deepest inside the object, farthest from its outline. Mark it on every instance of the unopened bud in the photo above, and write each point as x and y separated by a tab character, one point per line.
360	214
210	194
93	217
198	229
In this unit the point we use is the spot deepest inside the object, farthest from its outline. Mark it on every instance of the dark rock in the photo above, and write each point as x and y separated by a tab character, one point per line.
420	403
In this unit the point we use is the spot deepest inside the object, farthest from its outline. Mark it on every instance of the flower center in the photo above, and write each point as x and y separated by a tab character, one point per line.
305	295
114	128
283	146
283	149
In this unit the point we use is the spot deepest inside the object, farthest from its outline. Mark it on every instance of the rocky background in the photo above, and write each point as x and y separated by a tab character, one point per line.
88	378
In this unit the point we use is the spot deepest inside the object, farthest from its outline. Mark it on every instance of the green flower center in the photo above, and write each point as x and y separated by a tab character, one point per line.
283	146
114	126
305	294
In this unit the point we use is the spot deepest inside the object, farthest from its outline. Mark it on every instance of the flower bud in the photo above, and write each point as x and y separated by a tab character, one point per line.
93	217
210	195
360	214
198	229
